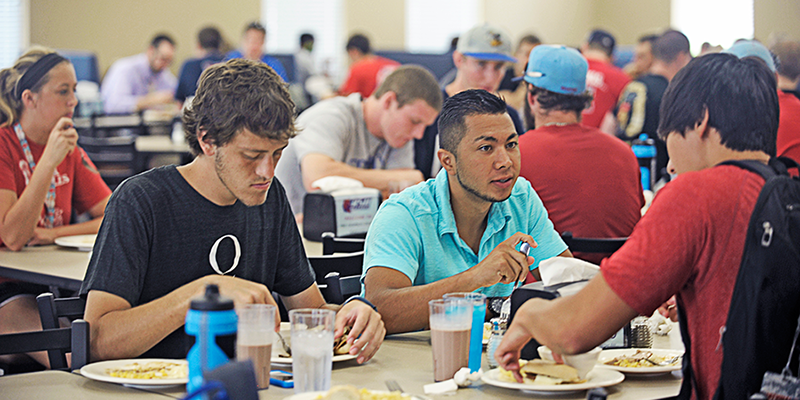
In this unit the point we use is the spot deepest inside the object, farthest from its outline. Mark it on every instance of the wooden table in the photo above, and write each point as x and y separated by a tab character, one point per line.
64	385
407	359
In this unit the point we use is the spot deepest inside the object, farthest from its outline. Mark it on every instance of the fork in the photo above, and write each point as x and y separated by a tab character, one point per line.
286	348
666	362
393	386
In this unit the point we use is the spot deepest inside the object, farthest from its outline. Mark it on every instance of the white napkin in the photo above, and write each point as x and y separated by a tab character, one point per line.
564	269
332	183
462	378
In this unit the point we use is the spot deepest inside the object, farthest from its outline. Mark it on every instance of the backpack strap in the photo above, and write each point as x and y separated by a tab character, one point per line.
765	171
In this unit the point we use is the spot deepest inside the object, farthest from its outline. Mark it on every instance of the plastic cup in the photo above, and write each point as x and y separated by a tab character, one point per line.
254	339
476	332
451	323
312	349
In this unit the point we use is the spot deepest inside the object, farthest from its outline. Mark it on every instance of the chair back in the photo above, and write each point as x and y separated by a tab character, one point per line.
50	310
115	156
346	264
331	244
338	288
74	339
592	245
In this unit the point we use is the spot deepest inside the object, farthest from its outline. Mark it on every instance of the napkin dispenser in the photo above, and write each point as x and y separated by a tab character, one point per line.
620	339
345	212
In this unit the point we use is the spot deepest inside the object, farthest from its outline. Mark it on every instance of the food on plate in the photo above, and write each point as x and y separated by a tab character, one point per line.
340	346
150	370
643	359
487	330
543	372
350	392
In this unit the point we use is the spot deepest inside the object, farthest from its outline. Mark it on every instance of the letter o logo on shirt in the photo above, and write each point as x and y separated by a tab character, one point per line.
212	256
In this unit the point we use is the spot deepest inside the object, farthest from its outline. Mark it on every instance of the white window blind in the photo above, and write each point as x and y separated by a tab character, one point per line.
432	24
11	30
718	22
287	20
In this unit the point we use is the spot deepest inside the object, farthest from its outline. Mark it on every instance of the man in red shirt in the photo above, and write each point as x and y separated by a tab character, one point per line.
588	180
604	80
367	70
788	70
690	242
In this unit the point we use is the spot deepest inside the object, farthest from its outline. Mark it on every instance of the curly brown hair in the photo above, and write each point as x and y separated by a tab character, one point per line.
236	95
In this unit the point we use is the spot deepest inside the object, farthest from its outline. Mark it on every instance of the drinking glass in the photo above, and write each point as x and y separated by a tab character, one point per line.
476	334
254	339
312	349
450	320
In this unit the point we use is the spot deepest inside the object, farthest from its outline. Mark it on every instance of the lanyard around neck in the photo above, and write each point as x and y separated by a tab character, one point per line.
50	199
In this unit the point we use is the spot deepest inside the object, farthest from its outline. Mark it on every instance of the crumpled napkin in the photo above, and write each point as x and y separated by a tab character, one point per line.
564	269
332	183
462	378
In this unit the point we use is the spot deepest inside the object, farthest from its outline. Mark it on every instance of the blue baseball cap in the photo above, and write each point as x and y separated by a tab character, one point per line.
751	48
486	42
557	68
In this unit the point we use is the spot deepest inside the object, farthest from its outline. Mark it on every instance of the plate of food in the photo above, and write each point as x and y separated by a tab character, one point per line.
139	372
547	377
283	355
642	361
350	392
80	242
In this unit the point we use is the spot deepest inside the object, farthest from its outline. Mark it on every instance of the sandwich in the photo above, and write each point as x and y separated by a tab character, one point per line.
546	372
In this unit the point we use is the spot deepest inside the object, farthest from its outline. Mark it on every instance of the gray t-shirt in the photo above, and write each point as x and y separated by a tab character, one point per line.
159	234
336	128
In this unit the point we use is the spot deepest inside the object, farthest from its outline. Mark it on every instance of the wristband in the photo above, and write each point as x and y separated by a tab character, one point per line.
361	299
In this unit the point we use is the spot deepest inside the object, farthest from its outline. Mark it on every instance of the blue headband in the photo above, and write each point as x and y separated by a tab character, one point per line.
36	72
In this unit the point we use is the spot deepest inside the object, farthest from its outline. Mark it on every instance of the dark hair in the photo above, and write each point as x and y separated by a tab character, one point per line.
235	95
255	26
669	45
161	37
648	39
410	83
359	42
602	40
561	102
740	96
788	54
452	120
10	104
306	37
209	38
530	39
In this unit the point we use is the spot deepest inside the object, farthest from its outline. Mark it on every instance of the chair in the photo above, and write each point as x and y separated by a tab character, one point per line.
50	310
592	245
346	264
74	339
114	156
338	288
331	244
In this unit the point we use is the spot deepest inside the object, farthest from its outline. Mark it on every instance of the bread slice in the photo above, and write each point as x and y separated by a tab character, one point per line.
556	372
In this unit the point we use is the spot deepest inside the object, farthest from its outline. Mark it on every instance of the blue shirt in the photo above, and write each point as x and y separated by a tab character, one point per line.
271	61
415	232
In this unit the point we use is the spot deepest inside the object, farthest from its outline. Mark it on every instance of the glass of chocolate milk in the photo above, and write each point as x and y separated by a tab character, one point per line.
254	339
450	320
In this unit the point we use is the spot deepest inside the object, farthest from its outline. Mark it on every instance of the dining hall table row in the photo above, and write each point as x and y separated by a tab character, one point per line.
405	358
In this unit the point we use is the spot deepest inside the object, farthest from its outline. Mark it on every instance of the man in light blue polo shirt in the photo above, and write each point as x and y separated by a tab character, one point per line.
461	231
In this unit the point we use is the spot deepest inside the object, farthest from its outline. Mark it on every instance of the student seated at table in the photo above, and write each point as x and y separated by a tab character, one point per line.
253	39
368	139
220	219
461	231
44	175
691	240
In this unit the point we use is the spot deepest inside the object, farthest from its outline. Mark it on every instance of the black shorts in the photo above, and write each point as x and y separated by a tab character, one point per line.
11	290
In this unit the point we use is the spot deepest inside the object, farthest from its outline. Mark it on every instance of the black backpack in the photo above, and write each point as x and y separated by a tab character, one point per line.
765	305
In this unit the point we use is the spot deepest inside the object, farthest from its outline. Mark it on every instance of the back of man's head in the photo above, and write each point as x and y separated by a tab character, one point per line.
161	38
670	45
209	38
452	119
557	75
305	38
739	95
359	42
752	48
529	39
410	83
601	40
236	95
788	54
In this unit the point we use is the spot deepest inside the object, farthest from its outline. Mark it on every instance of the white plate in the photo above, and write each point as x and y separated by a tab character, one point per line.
317	395
97	371
598	377
608	355
287	334
80	242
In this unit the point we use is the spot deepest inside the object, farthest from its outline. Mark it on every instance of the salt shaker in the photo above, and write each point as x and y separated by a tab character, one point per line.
641	337
498	329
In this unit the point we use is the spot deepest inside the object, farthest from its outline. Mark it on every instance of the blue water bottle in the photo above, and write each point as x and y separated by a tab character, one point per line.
644	149
212	321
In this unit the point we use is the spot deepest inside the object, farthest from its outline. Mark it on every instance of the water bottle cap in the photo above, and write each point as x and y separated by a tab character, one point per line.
212	301
643	137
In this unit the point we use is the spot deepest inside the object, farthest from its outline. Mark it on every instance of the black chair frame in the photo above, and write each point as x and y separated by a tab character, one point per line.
592	245
331	244
74	339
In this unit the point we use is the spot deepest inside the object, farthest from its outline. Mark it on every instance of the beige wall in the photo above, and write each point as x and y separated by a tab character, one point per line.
383	21
627	20
777	16
563	21
114	28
